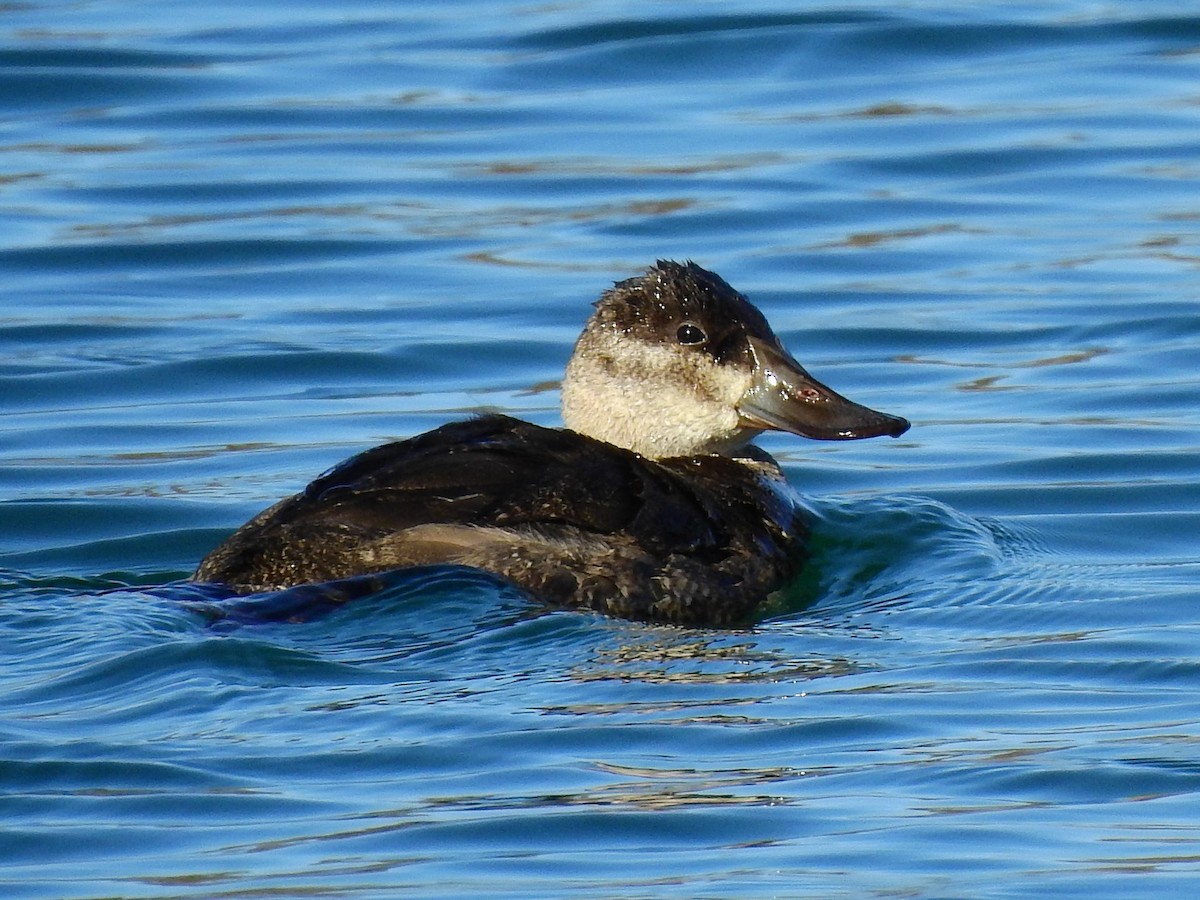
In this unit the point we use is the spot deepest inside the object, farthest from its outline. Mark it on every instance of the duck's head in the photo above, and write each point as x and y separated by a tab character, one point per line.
675	362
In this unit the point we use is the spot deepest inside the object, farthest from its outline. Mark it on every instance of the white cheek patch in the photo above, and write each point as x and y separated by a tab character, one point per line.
656	399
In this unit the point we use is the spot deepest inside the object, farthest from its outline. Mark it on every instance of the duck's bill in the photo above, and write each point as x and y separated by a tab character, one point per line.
784	397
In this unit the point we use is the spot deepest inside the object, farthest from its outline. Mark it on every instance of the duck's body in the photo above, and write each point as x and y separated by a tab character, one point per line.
652	507
572	520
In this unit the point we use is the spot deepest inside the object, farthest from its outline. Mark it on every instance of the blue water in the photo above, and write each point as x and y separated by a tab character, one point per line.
244	241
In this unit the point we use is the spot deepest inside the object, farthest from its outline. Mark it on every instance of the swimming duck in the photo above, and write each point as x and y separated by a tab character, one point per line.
652	504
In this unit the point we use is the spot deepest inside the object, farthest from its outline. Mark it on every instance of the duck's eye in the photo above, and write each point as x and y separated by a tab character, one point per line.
690	334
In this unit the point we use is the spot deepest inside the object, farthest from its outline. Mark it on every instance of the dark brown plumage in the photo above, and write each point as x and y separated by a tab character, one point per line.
574	521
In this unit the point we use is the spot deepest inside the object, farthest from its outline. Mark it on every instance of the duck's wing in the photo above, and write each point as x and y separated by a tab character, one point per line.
502	472
427	498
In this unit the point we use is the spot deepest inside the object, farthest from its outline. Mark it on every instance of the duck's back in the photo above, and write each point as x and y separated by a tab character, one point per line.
573	520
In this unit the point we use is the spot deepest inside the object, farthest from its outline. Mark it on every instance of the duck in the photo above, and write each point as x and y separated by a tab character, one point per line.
651	504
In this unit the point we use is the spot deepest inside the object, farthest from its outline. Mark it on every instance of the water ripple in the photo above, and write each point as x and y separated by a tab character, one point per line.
244	243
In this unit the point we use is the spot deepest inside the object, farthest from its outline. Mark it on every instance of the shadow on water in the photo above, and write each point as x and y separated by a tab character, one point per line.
225	610
389	615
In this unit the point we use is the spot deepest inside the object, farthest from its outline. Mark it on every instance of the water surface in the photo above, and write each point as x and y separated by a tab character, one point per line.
242	242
